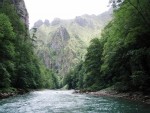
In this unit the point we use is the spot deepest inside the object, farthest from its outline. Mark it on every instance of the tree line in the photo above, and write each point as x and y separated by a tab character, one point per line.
120	58
19	66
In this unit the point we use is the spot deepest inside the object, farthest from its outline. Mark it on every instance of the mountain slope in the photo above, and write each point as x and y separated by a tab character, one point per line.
61	44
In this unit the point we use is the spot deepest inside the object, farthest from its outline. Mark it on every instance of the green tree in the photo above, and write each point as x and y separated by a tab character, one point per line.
7	50
93	63
125	53
20	68
120	58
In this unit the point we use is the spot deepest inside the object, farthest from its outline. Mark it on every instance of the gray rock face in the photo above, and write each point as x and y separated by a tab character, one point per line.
38	24
62	33
62	44
81	21
22	11
58	43
46	22
56	21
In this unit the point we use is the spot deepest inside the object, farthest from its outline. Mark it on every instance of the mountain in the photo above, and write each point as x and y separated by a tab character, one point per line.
62	44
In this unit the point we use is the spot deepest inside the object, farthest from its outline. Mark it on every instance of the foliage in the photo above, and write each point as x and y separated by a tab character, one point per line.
6	49
48	79
63	43
126	48
121	57
19	67
93	62
74	79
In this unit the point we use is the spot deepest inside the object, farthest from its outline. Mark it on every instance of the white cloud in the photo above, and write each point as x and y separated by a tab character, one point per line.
64	9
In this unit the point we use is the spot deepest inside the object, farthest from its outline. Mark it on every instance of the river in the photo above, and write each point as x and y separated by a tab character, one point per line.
55	101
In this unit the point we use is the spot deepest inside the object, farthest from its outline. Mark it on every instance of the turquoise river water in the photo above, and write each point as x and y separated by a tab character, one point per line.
55	101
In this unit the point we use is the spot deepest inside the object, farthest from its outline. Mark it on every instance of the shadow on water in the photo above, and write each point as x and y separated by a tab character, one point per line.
55	101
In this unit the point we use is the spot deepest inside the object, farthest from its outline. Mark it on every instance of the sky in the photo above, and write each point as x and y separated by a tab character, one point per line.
63	9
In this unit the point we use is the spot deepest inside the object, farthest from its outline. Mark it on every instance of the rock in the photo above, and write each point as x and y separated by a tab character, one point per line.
16	92
46	22
81	21
22	11
58	43
65	41
38	24
6	95
146	97
56	21
76	91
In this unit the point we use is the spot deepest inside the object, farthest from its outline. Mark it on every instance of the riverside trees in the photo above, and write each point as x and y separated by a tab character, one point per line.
122	55
19	66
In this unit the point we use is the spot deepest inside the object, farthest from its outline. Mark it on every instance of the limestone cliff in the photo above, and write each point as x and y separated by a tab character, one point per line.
21	10
62	44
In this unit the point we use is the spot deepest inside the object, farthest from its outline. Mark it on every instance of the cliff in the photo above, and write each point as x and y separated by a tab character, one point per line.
21	10
62	44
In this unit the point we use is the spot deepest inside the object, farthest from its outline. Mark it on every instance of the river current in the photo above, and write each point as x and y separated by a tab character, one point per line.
55	101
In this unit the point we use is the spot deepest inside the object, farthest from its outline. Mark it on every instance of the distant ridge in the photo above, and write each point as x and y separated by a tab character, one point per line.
61	44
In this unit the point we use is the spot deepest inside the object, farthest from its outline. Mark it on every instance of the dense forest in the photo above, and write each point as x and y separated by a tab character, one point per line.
19	66
120	57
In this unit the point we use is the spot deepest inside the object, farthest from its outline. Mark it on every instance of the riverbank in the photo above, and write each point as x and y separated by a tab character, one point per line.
135	96
5	93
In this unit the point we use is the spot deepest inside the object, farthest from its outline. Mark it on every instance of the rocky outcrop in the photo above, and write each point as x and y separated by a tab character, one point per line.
59	38
134	96
46	22
38	24
81	21
22	11
62	44
57	45
13	92
56	21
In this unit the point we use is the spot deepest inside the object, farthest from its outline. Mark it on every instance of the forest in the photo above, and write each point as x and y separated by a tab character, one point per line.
19	66
120	57
56	67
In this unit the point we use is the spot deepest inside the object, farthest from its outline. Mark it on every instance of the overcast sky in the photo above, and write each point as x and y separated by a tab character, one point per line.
64	9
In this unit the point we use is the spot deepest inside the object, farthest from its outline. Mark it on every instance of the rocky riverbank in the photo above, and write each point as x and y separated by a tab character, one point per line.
6	94
135	96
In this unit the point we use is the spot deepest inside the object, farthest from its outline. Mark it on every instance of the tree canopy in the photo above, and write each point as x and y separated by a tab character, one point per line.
19	66
121	56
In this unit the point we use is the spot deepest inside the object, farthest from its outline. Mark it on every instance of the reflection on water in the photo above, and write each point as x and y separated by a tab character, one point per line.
54	101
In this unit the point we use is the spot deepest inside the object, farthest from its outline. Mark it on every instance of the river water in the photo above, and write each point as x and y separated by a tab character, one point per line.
55	101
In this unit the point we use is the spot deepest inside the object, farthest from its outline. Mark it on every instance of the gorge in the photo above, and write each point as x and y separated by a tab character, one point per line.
90	53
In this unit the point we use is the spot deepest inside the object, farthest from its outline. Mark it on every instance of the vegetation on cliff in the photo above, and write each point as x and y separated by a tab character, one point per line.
121	56
62	44
19	67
